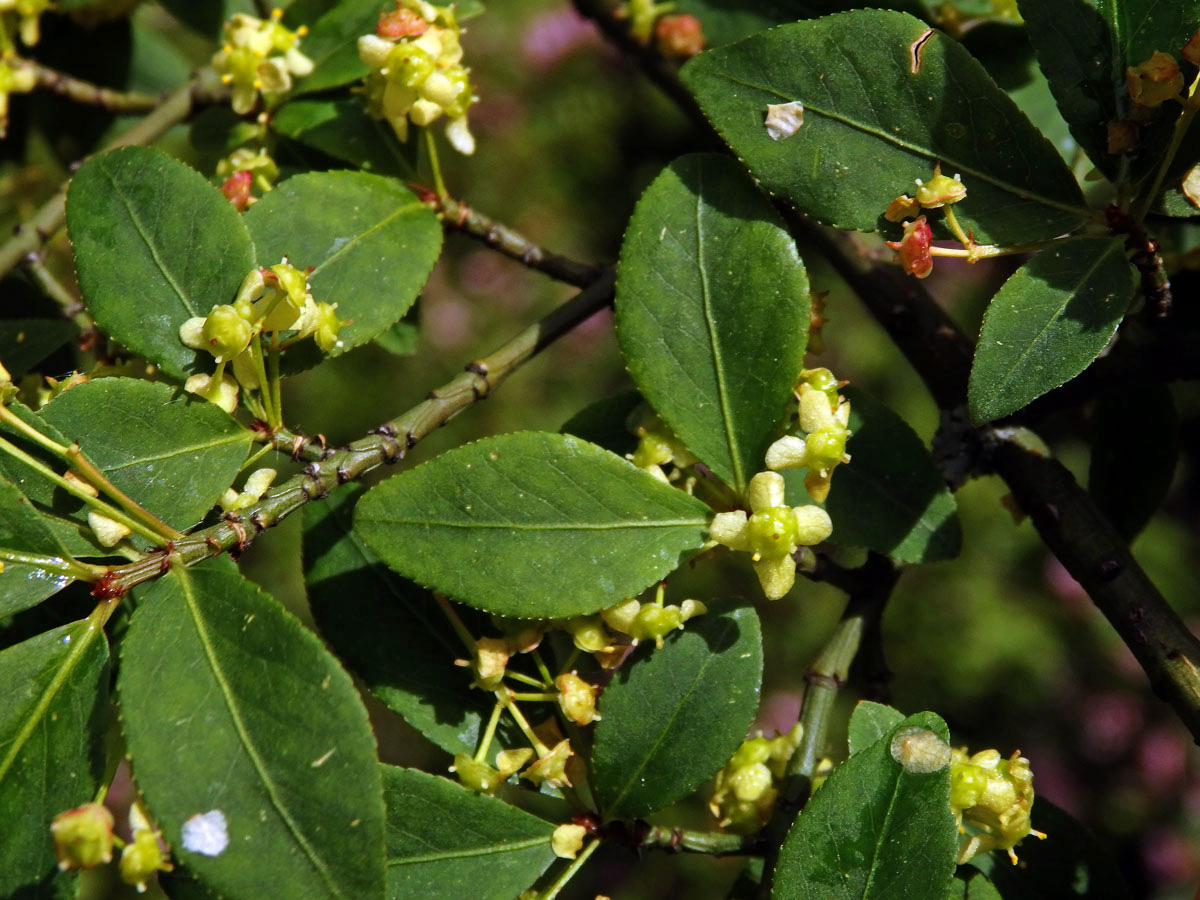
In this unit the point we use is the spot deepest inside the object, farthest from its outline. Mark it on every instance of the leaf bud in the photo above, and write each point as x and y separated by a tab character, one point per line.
83	837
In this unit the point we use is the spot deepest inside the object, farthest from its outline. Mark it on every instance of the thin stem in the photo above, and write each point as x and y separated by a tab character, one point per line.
952	220
33	266
505	697
74	457
489	732
542	668
79	493
388	444
127	103
569	872
259	454
274	384
264	383
1190	105
177	106
456	623
457	216
435	164
714	843
524	679
541	697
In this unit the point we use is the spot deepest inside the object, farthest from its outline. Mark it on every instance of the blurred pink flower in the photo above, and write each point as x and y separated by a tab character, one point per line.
553	36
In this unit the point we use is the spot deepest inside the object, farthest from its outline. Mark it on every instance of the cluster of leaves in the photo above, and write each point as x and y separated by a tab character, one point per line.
228	703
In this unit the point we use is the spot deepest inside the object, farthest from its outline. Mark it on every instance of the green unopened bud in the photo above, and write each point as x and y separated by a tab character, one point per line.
825	448
478	776
588	633
328	327
292	281
83	837
409	65
225	333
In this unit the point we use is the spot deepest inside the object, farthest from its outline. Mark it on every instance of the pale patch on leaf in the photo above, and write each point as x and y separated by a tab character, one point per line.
920	751
784	119
206	833
1191	185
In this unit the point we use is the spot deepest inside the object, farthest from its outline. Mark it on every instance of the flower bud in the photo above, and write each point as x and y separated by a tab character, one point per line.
141	858
236	189
680	36
83	837
940	190
913	248
567	840
576	698
225	334
478	776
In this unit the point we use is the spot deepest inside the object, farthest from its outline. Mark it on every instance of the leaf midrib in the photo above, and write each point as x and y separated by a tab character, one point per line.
363	235
185	582
571	526
949	163
1079	285
879	839
468	853
68	665
179	451
150	245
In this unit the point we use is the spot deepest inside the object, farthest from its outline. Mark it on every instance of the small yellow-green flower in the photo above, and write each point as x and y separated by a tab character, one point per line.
83	837
260	56
825	416
746	788
772	532
991	798
16	77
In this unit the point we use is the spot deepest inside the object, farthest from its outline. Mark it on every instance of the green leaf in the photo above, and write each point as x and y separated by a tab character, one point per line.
1069	863
229	704
672	717
890	497
332	45
219	130
207	18
444	840
869	722
971	884
52	719
531	525
864	142
402	338
371	242
389	631
874	829
170	452
1085	46
342	129
155	244
23	531
712	311
1135	448
26	342
1047	323
725	23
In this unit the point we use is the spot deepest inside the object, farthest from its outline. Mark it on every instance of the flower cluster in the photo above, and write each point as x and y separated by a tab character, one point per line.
271	300
913	248
260	56
657	445
772	532
745	790
243	170
417	73
991	798
825	419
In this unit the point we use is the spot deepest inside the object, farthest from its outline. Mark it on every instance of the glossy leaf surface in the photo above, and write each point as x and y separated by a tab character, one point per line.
672	717
889	498
343	129
1047	323
24	536
332	45
444	840
52	717
869	722
155	244
712	311
531	525
26	342
865	141
370	241
874	829
230	705
172	453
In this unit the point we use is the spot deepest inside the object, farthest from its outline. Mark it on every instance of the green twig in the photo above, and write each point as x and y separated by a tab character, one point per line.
70	567
569	872
389	444
127	103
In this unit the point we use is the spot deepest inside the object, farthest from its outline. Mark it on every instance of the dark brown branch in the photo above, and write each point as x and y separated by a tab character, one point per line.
457	216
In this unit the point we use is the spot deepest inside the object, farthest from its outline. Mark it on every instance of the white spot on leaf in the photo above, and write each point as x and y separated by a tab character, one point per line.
920	751
784	119
206	833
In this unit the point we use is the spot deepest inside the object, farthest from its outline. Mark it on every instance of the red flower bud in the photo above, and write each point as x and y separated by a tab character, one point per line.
401	23
679	36
237	189
913	249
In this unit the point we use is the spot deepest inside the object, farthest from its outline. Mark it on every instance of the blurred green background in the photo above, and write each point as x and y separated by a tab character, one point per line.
1001	642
